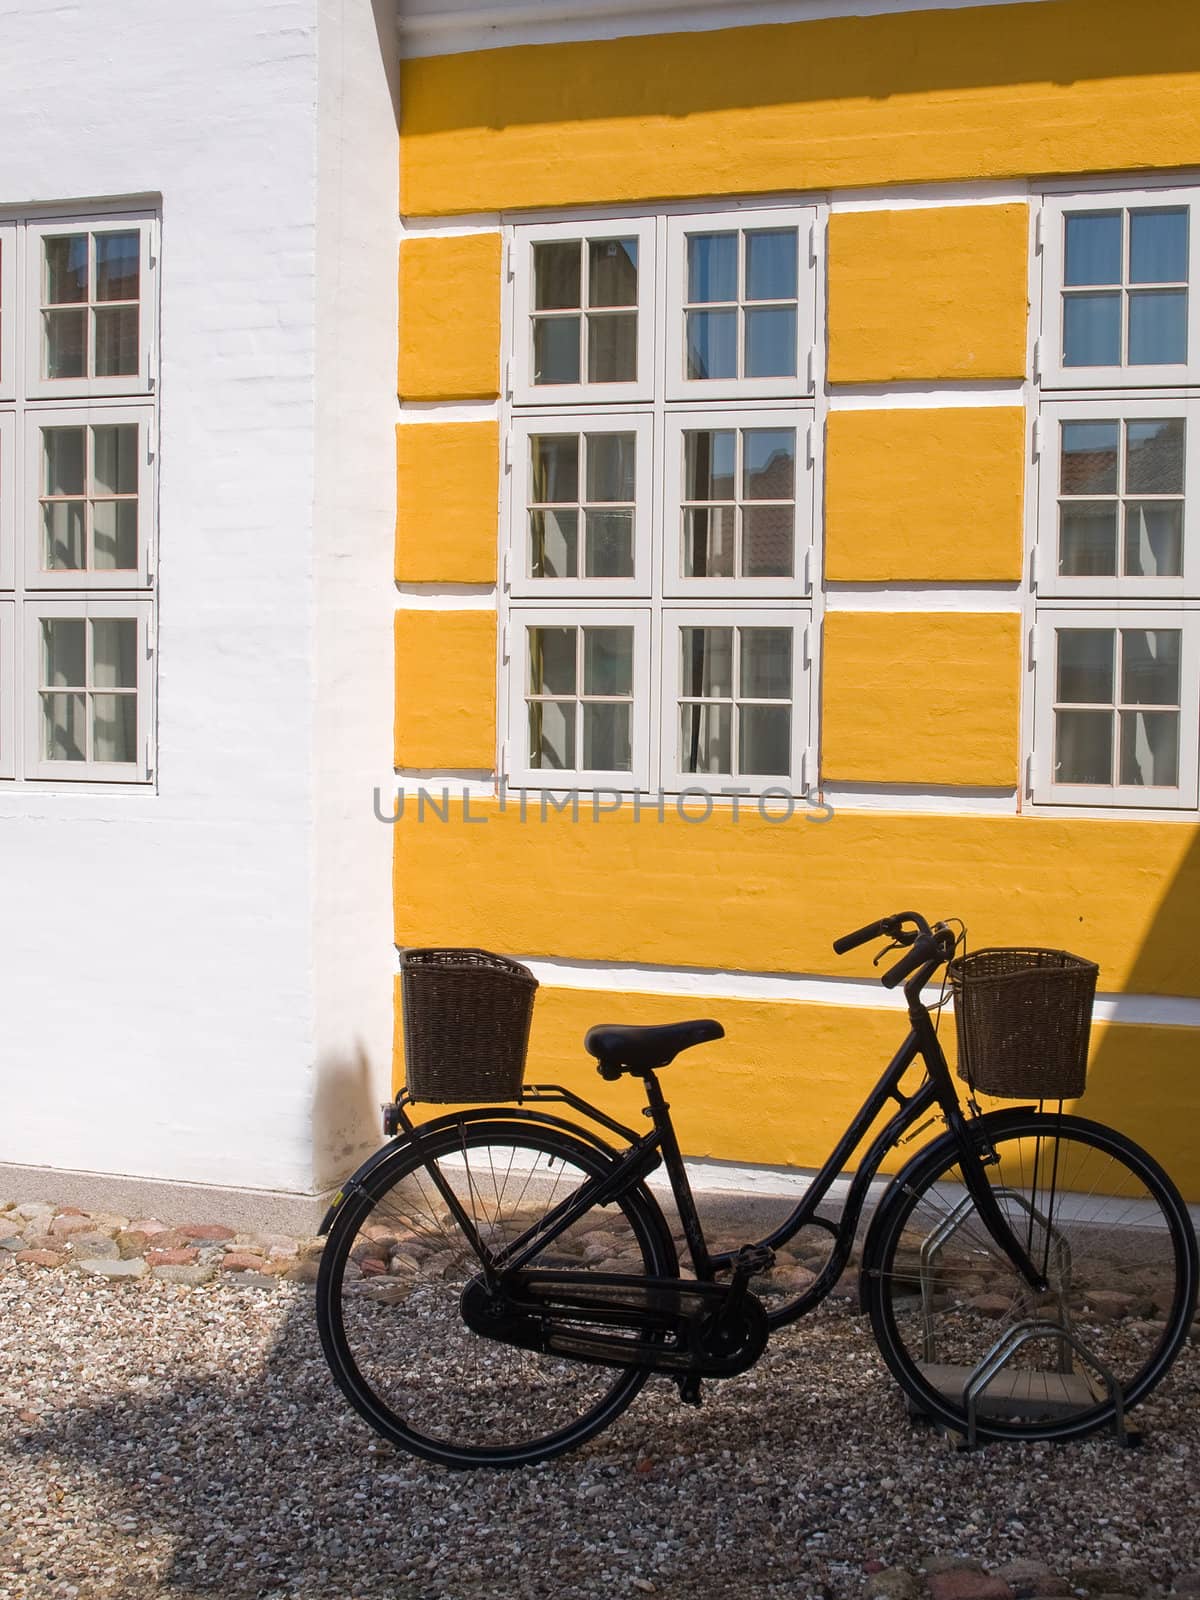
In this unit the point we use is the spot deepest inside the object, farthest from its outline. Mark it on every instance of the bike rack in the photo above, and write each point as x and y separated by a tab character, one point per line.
1007	1346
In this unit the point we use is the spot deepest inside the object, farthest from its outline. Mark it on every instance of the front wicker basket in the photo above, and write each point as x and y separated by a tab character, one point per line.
1023	1019
466	1024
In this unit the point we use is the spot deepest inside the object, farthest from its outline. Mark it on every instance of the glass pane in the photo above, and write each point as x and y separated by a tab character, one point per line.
554	469
770	343
116	341
63	647
609	548
712	267
771	264
1083	747
117	266
552	734
114	727
1157	326
556	349
114	459
768	541
114	653
611	466
706	665
556	275
1150	666
554	544
552	660
612	348
764	740
1092	330
607	737
705	738
63	547
608	661
64	735
768	463
1158	246
711	344
708	464
114	535
612	272
1093	247
708	542
1087	539
1085	665
64	453
1154	456
1150	748
1154	538
66	343
766	664
1089	457
66	260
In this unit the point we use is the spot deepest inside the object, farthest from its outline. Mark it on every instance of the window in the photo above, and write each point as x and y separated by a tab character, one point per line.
77	500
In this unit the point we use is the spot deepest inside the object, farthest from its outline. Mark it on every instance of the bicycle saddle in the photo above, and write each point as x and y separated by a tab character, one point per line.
625	1049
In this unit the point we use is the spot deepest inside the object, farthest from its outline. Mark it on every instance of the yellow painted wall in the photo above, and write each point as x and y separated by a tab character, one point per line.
924	495
921	698
447	475
450	318
928	294
445	690
1064	86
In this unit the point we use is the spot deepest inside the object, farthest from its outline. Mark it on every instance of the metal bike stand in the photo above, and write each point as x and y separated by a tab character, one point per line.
1007	1346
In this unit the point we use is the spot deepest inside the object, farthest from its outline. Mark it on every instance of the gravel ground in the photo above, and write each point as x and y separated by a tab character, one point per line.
158	1438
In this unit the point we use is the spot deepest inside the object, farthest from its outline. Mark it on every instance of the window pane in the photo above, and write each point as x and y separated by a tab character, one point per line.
712	267
66	343
1085	665
1089	457
768	463
1150	748
1083	747
554	544
770	343
611	466
556	275
708	542
114	653
771	264
706	667
1154	539
552	734
1157	326
1158	246
609	550
552	660
1154	456
64	452
114	459
114	727
607	737
63	662
612	348
705	738
64	727
66	259
712	344
63	548
1150	666
114	535
708	464
117	266
1092	330
554	467
1087	539
1093	247
612	272
766	666
556	349
608	661
764	740
116	341
768	538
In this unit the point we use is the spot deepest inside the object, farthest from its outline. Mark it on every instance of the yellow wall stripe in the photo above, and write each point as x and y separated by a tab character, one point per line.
450	318
445	689
447	477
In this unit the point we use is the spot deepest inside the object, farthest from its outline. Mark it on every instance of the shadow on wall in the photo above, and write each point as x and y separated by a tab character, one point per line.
345	1116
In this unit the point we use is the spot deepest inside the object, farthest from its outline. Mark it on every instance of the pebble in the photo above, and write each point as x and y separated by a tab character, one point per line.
105	1268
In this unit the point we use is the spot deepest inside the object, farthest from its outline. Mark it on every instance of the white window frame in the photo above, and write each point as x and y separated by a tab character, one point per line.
522	429
141	771
1044	790
8	501
517	766
674	584
678	385
796	782
86	387
8	688
9	314
1054	374
36	577
524	391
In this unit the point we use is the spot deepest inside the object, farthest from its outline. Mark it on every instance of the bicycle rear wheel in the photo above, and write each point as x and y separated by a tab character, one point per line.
962	1331
393	1274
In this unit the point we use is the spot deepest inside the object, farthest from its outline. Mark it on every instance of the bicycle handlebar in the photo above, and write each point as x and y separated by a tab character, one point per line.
926	947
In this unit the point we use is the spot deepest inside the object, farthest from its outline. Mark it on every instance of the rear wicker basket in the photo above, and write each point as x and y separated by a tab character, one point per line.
466	1024
1023	1019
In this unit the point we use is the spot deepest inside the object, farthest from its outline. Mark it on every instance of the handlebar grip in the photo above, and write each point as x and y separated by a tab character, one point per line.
924	950
851	941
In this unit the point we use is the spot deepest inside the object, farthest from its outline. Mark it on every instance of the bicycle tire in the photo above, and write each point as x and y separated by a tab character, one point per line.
938	1309
395	1339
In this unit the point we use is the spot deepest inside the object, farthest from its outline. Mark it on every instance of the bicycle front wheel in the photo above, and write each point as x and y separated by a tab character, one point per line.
392	1278
962	1331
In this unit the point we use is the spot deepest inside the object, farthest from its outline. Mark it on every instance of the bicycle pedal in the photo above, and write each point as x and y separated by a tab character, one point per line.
752	1259
689	1389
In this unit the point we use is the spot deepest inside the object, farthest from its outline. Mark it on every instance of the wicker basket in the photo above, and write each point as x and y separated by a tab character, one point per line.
466	1024
1023	1019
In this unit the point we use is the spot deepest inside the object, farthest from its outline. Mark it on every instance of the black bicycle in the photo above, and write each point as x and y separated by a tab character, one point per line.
499	1283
